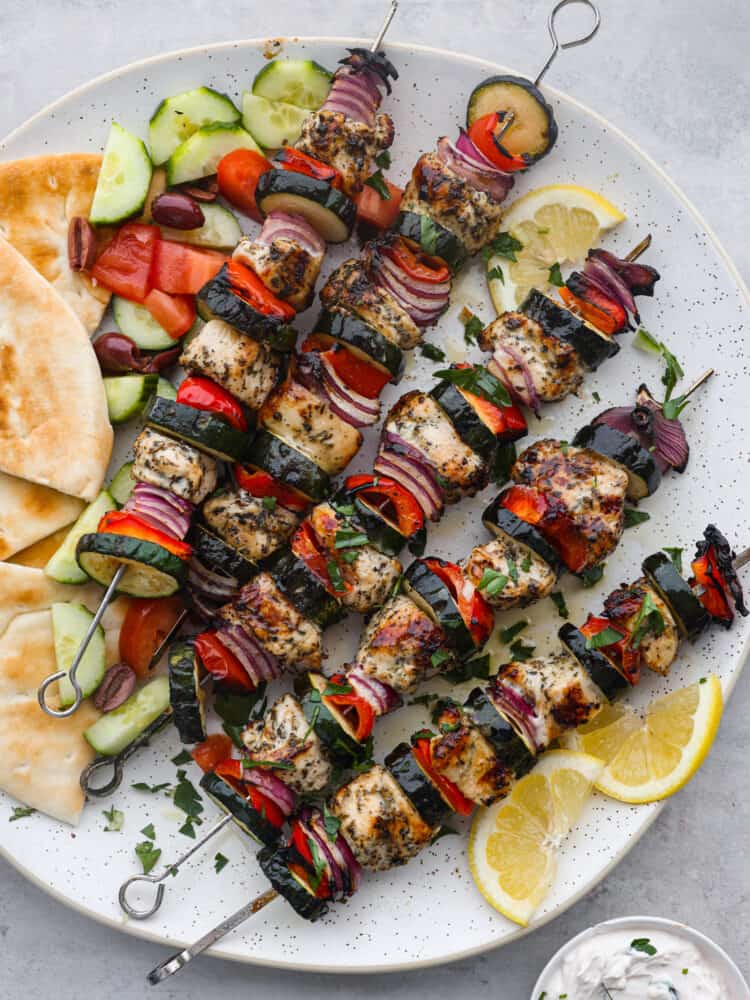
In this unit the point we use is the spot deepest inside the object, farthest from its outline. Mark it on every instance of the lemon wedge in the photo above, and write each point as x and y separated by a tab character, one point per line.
513	844
651	758
556	224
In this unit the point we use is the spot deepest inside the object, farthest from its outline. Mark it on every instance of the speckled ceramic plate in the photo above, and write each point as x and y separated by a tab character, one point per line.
429	911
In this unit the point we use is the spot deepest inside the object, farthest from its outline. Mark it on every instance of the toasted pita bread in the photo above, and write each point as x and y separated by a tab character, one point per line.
29	512
54	428
38	198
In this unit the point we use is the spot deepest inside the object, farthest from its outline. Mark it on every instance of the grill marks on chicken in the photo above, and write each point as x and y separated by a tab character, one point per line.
348	145
284	736
247	524
173	465
657	651
528	577
465	756
398	644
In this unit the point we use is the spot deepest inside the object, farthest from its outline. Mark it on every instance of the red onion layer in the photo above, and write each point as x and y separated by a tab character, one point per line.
646	423
209	583
382	697
519	713
343	871
482	177
355	95
412	470
423	301
272	786
259	664
285	225
320	377
496	367
161	509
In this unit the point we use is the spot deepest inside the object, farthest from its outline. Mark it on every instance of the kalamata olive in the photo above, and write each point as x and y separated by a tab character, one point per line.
177	210
116	687
118	353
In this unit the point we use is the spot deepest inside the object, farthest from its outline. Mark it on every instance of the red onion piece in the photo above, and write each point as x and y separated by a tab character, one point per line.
400	452
292	227
521	715
335	872
161	509
272	786
232	636
339	858
470	151
209	583
431	293
646	423
413	481
496	367
613	285
639	278
201	609
319	377
382	697
492	181
354	95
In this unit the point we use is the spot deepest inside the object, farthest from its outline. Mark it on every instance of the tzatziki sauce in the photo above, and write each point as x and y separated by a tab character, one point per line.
624	965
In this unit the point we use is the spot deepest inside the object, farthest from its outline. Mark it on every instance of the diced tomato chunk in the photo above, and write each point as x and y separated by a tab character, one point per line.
214	749
175	313
376	211
237	175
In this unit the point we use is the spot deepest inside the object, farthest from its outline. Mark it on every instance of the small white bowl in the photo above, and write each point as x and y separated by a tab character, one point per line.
735	982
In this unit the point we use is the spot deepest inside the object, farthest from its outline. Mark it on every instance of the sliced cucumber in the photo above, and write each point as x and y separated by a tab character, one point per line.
127	395
63	566
121	485
110	734
124	178
199	155
178	117
165	389
220	229
152	571
70	622
136	322
272	123
294	81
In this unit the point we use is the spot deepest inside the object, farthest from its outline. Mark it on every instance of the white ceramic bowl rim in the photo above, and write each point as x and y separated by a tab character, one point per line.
734	979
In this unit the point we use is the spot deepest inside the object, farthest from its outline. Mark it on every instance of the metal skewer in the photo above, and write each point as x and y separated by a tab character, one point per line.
385	26
557	45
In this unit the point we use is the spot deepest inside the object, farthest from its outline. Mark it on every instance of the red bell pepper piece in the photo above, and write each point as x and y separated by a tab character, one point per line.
713	596
247	285
417	264
124	265
485	132
549	515
507	423
626	659
360	376
260	484
376	211
357	711
390	499
122	522
238	174
215	748
451	793
475	611
221	663
306	547
299	840
289	158
148	621
180	269
176	313
603	313
203	394
231	770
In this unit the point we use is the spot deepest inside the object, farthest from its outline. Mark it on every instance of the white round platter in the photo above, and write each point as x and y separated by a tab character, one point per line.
429	912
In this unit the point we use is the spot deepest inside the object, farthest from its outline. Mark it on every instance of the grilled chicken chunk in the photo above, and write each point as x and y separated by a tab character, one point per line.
380	824
173	465
241	365
285	268
528	577
305	421
350	289
435	190
370	577
246	524
465	756
591	487
657	652
398	644
263	609
552	363
557	691
422	423
285	736
346	144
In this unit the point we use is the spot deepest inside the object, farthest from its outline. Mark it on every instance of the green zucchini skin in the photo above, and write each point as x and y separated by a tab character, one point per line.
644	475
511	751
289	466
530	92
219	300
433	238
430	590
218	556
606	677
351	331
416	785
248	819
154	571
275	866
207	431
500	521
469	426
279	183
592	347
303	589
343	750
186	696
689	614
383	535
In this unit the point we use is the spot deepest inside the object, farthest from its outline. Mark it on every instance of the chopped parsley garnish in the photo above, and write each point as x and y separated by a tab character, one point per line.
269	503
189	801
477	667
644	945
429	234
332	824
439	657
334	575
558	599
348	538
671	407
183	757
147	854
526	564
555	276
377	182
607	637
478	381
650	621
143	786
591	576
473	325
220	862
148	832
424	699
512	570
596	397
634	517
383	159
115	819
508	634
504	245
496	274
269	765
333	688
20	812
676	556
492	582
432	352
521	651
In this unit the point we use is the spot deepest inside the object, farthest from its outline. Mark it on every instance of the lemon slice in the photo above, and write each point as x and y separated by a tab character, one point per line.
513	844
651	758
556	224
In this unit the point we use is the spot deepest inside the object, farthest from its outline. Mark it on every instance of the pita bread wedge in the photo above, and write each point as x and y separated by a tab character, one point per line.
38	198
54	428
29	512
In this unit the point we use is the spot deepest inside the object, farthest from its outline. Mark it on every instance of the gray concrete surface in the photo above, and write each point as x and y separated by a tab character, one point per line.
673	75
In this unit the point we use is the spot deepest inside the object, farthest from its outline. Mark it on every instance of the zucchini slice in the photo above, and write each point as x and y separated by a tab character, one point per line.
165	389
186	694
220	299
247	818
63	566
383	535
688	612
274	456
136	322
152	570
218	556
499	521
272	124
303	82
275	866
433	238
303	589
121	485
124	178
364	341
199	155
114	731
330	726
511	750
644	474
592	346
209	432
127	395
178	117
417	787
468	424
599	667
430	594
329	211
70	622
533	132
220	229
